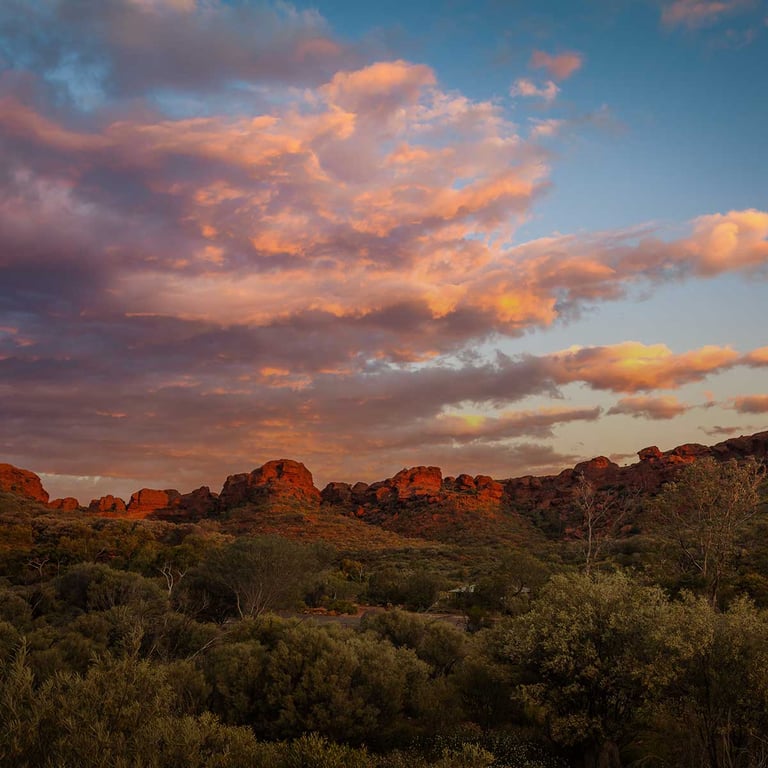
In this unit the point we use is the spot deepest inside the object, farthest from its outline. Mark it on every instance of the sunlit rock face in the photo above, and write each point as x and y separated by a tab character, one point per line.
22	482
67	504
282	479
146	501
417	483
107	505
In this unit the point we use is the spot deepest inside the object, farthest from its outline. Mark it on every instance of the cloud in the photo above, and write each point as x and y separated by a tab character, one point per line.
632	366
695	14
656	408
560	66
725	431
751	404
128	48
757	358
285	248
528	89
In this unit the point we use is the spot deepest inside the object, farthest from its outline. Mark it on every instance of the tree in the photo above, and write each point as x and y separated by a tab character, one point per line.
600	516
590	655
703	514
716	713
261	574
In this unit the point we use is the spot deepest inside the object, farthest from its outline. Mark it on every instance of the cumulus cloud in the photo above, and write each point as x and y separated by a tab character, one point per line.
633	367
527	88
560	66
656	408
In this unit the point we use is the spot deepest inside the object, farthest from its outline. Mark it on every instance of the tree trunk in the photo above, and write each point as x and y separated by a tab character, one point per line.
605	755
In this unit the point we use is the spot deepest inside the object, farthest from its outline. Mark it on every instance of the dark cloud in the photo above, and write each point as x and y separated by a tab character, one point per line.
134	47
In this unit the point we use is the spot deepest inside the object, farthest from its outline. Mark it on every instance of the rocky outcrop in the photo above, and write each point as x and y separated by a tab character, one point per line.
107	505
417	491
196	505
67	504
482	487
283	480
147	501
417	483
654	468
22	482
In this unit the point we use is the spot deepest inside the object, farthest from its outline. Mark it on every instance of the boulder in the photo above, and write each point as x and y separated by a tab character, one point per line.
597	468
337	493
488	489
417	483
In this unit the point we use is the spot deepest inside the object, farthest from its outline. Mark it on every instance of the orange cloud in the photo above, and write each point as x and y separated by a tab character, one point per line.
757	358
380	87
560	66
632	366
657	408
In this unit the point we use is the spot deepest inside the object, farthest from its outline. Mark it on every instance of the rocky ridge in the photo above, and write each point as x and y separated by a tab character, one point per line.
414	490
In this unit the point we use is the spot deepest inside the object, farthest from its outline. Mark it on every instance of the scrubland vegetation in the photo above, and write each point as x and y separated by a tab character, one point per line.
139	643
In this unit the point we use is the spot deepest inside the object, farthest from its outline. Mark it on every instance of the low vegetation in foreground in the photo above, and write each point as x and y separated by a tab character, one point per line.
127	643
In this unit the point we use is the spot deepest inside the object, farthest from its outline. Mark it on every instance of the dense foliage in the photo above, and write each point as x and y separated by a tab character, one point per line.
131	643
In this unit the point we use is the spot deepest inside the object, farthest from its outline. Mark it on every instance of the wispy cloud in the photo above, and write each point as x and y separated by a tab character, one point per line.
694	14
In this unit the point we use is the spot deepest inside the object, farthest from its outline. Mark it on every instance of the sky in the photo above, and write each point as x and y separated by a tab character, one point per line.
496	236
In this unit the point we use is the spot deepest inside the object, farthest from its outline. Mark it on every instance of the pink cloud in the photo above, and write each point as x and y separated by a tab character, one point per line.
560	66
379	88
528	89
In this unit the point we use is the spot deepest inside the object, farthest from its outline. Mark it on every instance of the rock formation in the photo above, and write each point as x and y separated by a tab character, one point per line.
147	501
22	482
196	505
67	504
107	505
417	492
282	480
